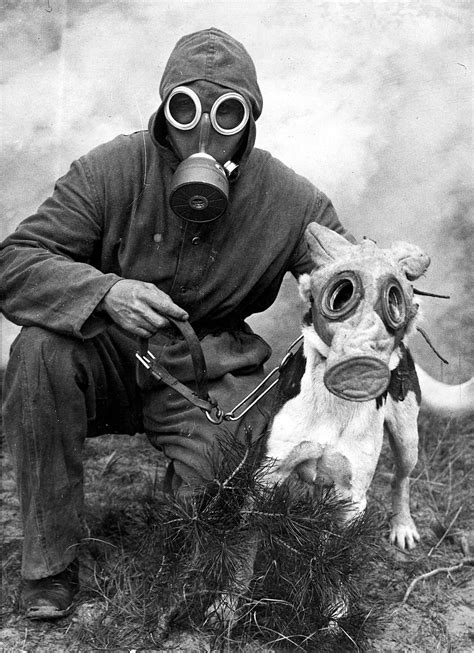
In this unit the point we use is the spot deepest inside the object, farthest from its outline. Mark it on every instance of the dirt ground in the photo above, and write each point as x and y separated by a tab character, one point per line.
436	617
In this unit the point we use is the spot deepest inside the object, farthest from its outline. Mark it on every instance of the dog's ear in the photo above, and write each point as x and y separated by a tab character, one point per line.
304	286
325	245
412	261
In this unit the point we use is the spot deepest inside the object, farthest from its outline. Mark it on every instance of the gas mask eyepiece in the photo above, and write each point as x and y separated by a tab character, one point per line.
199	188
229	113
394	304
341	295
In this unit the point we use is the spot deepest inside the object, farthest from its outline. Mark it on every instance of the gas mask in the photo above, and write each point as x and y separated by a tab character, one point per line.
200	186
362	305
362	318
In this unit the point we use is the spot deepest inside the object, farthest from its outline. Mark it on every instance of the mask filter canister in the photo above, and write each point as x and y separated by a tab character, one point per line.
199	189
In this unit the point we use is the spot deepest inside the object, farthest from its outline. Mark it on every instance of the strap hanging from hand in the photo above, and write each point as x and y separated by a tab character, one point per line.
200	398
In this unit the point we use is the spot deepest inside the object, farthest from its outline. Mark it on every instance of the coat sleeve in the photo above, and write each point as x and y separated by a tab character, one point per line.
46	278
324	213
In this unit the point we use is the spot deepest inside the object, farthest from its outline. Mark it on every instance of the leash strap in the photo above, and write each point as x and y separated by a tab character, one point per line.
200	398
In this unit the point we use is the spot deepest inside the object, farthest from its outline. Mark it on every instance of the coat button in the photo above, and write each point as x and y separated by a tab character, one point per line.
196	240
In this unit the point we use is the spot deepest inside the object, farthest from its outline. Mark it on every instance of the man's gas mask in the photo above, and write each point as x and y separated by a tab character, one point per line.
200	187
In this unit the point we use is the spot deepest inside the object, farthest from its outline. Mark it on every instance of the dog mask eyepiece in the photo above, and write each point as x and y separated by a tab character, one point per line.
394	304
341	295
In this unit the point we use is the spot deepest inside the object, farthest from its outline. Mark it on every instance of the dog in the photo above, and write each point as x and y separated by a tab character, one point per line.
358	379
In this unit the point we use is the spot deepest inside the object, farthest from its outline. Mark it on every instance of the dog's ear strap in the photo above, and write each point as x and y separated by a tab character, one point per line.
428	341
425	293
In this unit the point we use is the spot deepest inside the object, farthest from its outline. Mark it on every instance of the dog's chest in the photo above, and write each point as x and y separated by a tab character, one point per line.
316	424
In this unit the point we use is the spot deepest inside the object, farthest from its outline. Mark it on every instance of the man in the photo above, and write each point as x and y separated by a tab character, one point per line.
126	240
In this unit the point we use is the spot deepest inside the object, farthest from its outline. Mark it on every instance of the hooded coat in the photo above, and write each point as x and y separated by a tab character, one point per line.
109	218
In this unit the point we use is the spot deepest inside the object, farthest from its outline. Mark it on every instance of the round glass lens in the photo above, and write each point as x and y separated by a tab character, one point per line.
341	295
230	114
394	305
183	109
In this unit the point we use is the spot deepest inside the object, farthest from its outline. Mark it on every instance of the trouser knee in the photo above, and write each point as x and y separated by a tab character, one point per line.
63	382
36	347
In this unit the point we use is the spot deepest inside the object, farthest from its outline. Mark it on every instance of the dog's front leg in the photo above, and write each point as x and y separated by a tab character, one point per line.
401	423
224	610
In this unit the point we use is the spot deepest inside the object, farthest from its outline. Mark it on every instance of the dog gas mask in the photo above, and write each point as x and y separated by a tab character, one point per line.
205	126
361	307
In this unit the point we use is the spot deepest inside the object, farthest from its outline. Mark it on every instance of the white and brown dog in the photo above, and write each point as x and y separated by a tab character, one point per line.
359	376
352	379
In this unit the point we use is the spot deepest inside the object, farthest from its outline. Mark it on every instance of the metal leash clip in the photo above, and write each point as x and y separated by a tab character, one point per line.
231	416
220	416
201	398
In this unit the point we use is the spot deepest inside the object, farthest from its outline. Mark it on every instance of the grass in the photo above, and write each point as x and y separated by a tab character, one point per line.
128	577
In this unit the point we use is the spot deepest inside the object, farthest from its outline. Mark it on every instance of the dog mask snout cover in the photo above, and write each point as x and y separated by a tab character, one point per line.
361	307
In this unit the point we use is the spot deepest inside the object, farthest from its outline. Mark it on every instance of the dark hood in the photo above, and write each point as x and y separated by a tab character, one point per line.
214	56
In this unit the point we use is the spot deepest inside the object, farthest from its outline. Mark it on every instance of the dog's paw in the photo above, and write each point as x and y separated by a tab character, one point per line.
403	532
336	610
272	478
223	612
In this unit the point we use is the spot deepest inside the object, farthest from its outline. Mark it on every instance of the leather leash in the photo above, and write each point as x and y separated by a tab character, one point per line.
200	398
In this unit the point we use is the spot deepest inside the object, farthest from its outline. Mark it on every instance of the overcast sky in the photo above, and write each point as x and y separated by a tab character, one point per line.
370	100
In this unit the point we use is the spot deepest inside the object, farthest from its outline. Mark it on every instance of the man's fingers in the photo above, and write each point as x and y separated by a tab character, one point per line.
142	333
164	305
149	318
140	307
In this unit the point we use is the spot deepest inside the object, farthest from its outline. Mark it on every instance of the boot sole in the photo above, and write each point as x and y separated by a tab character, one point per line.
47	612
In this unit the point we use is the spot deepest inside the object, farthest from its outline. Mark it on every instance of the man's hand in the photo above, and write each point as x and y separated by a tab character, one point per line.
140	307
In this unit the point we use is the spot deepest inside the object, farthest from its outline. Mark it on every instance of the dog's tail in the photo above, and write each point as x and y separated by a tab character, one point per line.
444	399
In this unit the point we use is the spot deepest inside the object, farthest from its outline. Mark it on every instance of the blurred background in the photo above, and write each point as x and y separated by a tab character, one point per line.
372	101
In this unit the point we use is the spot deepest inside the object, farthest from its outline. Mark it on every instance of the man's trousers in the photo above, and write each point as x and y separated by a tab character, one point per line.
58	390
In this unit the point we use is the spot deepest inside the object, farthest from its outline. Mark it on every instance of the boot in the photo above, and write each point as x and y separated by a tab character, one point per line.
51	597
